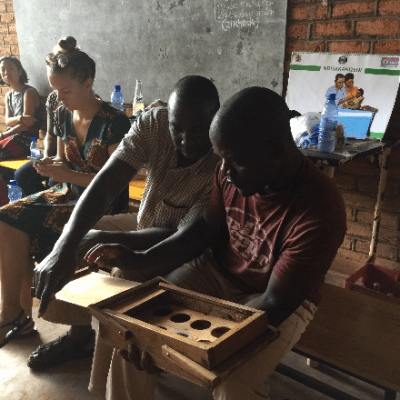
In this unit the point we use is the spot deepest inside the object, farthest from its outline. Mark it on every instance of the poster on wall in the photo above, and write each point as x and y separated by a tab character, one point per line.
365	88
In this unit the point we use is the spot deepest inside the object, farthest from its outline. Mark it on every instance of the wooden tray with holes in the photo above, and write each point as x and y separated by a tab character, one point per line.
197	337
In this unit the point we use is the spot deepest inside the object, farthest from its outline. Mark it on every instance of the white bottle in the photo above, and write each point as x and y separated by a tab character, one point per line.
138	99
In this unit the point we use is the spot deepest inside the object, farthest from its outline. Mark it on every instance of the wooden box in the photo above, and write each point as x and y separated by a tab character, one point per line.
197	337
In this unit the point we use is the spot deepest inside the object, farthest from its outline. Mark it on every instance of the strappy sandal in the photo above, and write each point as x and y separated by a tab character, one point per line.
19	328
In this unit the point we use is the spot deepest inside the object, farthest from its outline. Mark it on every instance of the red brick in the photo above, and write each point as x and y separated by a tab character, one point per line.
7	18
391	7
388	220
348	47
323	29
10	7
352	256
302	13
5	50
386	251
312	46
15	50
362	246
4	29
366	217
387	47
344	182
368	185
394	170
346	243
392	205
359	201
3	8
297	31
379	27
12	28
358	230
321	12
393	265
11	39
352	9
389	236
362	167
349	213
286	67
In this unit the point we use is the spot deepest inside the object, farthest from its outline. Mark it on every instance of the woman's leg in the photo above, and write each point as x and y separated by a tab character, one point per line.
14	260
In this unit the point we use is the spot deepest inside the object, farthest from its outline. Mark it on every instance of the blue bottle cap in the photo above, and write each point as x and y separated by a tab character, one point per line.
33	139
13	182
117	88
332	96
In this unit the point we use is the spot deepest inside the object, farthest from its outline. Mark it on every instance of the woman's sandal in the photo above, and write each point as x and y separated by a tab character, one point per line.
19	328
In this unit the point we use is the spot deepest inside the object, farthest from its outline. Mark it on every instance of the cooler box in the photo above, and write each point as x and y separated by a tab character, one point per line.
356	122
363	280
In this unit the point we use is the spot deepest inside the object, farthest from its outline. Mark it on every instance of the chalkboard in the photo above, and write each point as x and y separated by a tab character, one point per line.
234	43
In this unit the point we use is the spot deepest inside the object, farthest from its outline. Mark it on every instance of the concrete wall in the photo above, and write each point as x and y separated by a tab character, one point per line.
358	26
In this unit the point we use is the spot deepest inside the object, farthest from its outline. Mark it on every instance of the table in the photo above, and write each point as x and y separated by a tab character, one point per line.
353	150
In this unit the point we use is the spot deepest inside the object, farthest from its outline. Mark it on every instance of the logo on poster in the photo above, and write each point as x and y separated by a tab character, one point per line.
390	61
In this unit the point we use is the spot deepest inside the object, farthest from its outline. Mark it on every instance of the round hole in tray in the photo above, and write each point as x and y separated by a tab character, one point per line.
200	324
161	312
218	332
180	318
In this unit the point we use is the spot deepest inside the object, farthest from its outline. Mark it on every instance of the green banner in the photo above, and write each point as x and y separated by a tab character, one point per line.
375	135
306	67
373	71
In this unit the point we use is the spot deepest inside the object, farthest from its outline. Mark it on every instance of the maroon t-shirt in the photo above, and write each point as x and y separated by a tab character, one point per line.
295	233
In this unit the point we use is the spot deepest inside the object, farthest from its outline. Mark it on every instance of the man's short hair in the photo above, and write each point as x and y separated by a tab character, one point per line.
338	76
197	91
255	113
348	76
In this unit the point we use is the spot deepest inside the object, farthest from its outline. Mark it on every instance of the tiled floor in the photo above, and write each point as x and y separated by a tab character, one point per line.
70	381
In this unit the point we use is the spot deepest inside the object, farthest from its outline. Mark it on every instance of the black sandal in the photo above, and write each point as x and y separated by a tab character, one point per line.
60	351
19	329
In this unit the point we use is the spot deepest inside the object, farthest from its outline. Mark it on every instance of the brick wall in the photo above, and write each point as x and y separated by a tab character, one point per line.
8	44
357	26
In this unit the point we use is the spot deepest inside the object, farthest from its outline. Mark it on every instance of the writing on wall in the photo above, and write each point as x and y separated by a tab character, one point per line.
236	14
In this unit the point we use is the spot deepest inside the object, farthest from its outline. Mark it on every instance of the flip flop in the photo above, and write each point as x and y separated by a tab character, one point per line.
19	329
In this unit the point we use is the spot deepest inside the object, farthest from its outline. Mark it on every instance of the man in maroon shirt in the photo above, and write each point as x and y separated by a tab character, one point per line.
269	235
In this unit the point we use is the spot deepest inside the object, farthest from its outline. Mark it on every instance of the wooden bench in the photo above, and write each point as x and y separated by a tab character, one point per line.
136	186
356	334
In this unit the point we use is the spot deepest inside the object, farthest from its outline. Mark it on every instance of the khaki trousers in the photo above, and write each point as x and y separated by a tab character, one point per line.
250	382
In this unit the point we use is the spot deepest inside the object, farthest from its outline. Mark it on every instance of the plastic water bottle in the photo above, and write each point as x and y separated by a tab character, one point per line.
138	98
35	151
327	126
117	98
14	191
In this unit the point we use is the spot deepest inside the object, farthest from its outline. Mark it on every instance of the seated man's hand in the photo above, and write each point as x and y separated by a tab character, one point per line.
141	360
110	255
51	275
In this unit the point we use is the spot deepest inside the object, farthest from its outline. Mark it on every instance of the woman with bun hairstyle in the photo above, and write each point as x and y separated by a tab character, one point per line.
88	131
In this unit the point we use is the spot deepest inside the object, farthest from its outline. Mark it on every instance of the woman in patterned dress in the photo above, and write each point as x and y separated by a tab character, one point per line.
88	131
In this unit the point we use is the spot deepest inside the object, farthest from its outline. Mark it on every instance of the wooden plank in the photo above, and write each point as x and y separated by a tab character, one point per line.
357	333
93	288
